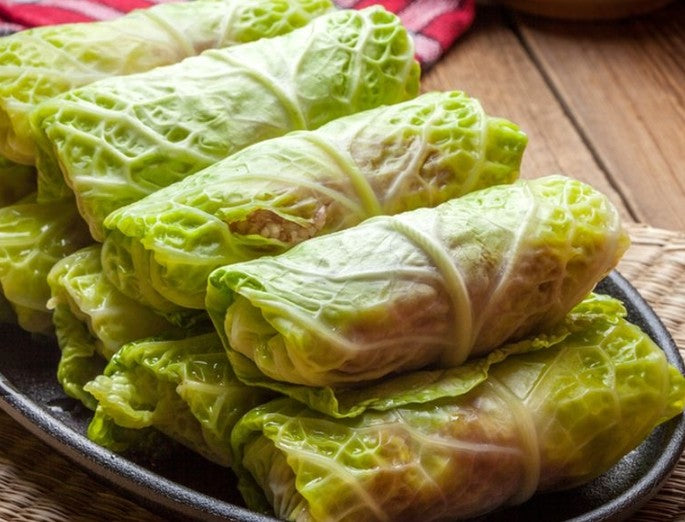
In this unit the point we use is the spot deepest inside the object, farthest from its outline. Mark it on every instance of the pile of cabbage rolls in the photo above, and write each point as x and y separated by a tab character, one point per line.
250	233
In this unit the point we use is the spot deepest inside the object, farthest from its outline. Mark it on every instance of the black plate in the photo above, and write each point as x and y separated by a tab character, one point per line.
184	486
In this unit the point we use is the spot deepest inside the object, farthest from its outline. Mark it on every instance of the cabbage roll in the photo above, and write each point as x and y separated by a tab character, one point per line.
93	320
40	63
275	194
122	138
33	237
425	287
552	418
185	388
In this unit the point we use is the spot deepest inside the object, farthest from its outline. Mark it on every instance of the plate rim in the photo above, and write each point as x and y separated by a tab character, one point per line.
154	491
649	485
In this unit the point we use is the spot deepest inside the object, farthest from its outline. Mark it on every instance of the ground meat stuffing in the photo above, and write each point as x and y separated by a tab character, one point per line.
268	224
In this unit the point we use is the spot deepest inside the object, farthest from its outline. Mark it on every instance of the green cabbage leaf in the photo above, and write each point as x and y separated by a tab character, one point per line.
415	387
142	441
275	194
422	288
33	237
93	320
119	139
184	388
41	63
551	418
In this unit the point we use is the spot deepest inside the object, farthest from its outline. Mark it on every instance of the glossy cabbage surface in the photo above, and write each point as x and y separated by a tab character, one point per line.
33	237
275	194
425	287
184	388
41	63
552	418
93	319
122	138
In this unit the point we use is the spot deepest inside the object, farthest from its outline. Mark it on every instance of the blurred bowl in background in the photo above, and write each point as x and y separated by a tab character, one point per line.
586	9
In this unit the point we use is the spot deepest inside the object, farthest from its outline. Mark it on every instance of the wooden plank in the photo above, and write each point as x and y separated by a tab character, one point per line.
624	85
490	63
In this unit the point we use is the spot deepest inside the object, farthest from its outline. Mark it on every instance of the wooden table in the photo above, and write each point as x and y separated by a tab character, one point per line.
603	102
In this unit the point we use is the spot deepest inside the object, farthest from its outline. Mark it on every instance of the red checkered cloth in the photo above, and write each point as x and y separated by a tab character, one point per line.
434	24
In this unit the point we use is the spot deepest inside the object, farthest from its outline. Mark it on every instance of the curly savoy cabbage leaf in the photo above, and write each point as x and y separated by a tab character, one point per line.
122	138
425	287
41	63
33	237
548	419
184	388
275	194
93	319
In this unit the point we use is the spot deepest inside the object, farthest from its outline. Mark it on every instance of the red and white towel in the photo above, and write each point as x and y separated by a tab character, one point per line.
435	24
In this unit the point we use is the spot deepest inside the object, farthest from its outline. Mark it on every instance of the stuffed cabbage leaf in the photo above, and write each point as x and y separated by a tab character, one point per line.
184	388
41	63
425	287
33	237
275	194
93	320
122	138
552	418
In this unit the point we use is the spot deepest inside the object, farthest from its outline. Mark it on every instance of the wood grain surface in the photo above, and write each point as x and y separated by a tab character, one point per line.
600	101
